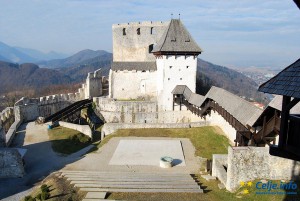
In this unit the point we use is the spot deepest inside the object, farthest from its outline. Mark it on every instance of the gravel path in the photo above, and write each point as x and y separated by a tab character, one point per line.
40	160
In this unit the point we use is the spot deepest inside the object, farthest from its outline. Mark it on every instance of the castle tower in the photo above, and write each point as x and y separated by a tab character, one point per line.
176	60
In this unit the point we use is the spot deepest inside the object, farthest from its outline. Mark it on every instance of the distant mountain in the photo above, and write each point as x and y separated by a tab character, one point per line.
79	71
41	56
74	69
14	55
209	74
28	76
77	59
26	55
4	59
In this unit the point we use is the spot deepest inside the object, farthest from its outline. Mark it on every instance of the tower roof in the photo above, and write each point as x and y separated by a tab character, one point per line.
176	39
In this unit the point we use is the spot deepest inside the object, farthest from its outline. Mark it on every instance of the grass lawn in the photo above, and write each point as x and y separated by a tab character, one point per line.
206	140
59	189
67	141
211	193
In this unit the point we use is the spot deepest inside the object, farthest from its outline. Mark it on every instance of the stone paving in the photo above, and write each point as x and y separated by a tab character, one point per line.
40	161
99	160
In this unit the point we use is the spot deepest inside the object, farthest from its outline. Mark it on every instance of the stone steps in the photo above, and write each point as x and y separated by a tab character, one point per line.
124	190
98	182
133	182
139	186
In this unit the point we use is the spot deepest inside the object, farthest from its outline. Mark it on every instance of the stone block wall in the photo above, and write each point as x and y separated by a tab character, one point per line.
129	44
7	118
110	128
217	120
250	163
115	111
85	129
11	164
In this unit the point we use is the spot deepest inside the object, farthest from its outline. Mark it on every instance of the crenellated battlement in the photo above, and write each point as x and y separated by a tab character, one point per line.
143	23
6	114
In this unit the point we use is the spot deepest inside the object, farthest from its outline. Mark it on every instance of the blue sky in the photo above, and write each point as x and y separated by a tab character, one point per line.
235	33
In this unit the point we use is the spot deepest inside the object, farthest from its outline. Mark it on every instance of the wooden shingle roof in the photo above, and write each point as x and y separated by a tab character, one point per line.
244	111
176	39
286	83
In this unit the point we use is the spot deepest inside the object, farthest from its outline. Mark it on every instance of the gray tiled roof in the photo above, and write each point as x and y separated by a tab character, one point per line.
134	66
191	97
277	104
244	111
286	83
176	38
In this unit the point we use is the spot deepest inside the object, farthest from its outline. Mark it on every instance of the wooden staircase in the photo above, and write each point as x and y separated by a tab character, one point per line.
68	112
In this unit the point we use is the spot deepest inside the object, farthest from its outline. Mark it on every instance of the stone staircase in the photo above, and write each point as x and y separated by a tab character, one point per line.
97	184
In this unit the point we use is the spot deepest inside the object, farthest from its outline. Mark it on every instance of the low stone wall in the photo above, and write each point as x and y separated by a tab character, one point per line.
85	129
12	132
217	120
250	163
11	164
110	128
2	137
219	162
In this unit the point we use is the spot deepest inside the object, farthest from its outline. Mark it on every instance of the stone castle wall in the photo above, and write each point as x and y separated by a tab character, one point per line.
133	46
115	111
251	163
110	128
133	84
7	118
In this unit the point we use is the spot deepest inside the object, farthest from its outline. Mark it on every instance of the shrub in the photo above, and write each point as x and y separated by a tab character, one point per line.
45	195
29	198
39	196
80	138
44	188
70	199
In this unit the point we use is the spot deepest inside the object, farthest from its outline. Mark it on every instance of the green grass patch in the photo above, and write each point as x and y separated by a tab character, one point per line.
67	141
206	140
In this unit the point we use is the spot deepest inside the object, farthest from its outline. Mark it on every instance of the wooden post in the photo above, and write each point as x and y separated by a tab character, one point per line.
173	101
284	121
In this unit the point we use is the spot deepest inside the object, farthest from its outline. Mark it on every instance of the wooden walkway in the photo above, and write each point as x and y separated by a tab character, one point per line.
97	184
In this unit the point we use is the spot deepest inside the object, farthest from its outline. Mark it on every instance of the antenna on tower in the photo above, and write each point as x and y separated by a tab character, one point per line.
171	15
179	16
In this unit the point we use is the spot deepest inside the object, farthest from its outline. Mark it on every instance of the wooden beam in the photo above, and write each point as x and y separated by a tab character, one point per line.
293	103
284	121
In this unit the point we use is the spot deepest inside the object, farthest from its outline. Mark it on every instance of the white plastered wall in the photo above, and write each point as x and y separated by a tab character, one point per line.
172	71
133	84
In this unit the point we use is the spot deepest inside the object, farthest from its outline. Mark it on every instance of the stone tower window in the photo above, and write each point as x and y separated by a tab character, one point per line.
170	67
151	48
138	31
152	32
124	32
187	66
180	78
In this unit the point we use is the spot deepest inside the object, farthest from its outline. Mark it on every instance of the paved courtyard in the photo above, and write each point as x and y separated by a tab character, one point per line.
40	160
118	155
114	157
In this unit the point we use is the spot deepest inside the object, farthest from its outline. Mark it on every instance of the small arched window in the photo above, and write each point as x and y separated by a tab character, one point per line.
152	30
151	48
138	31
124	32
